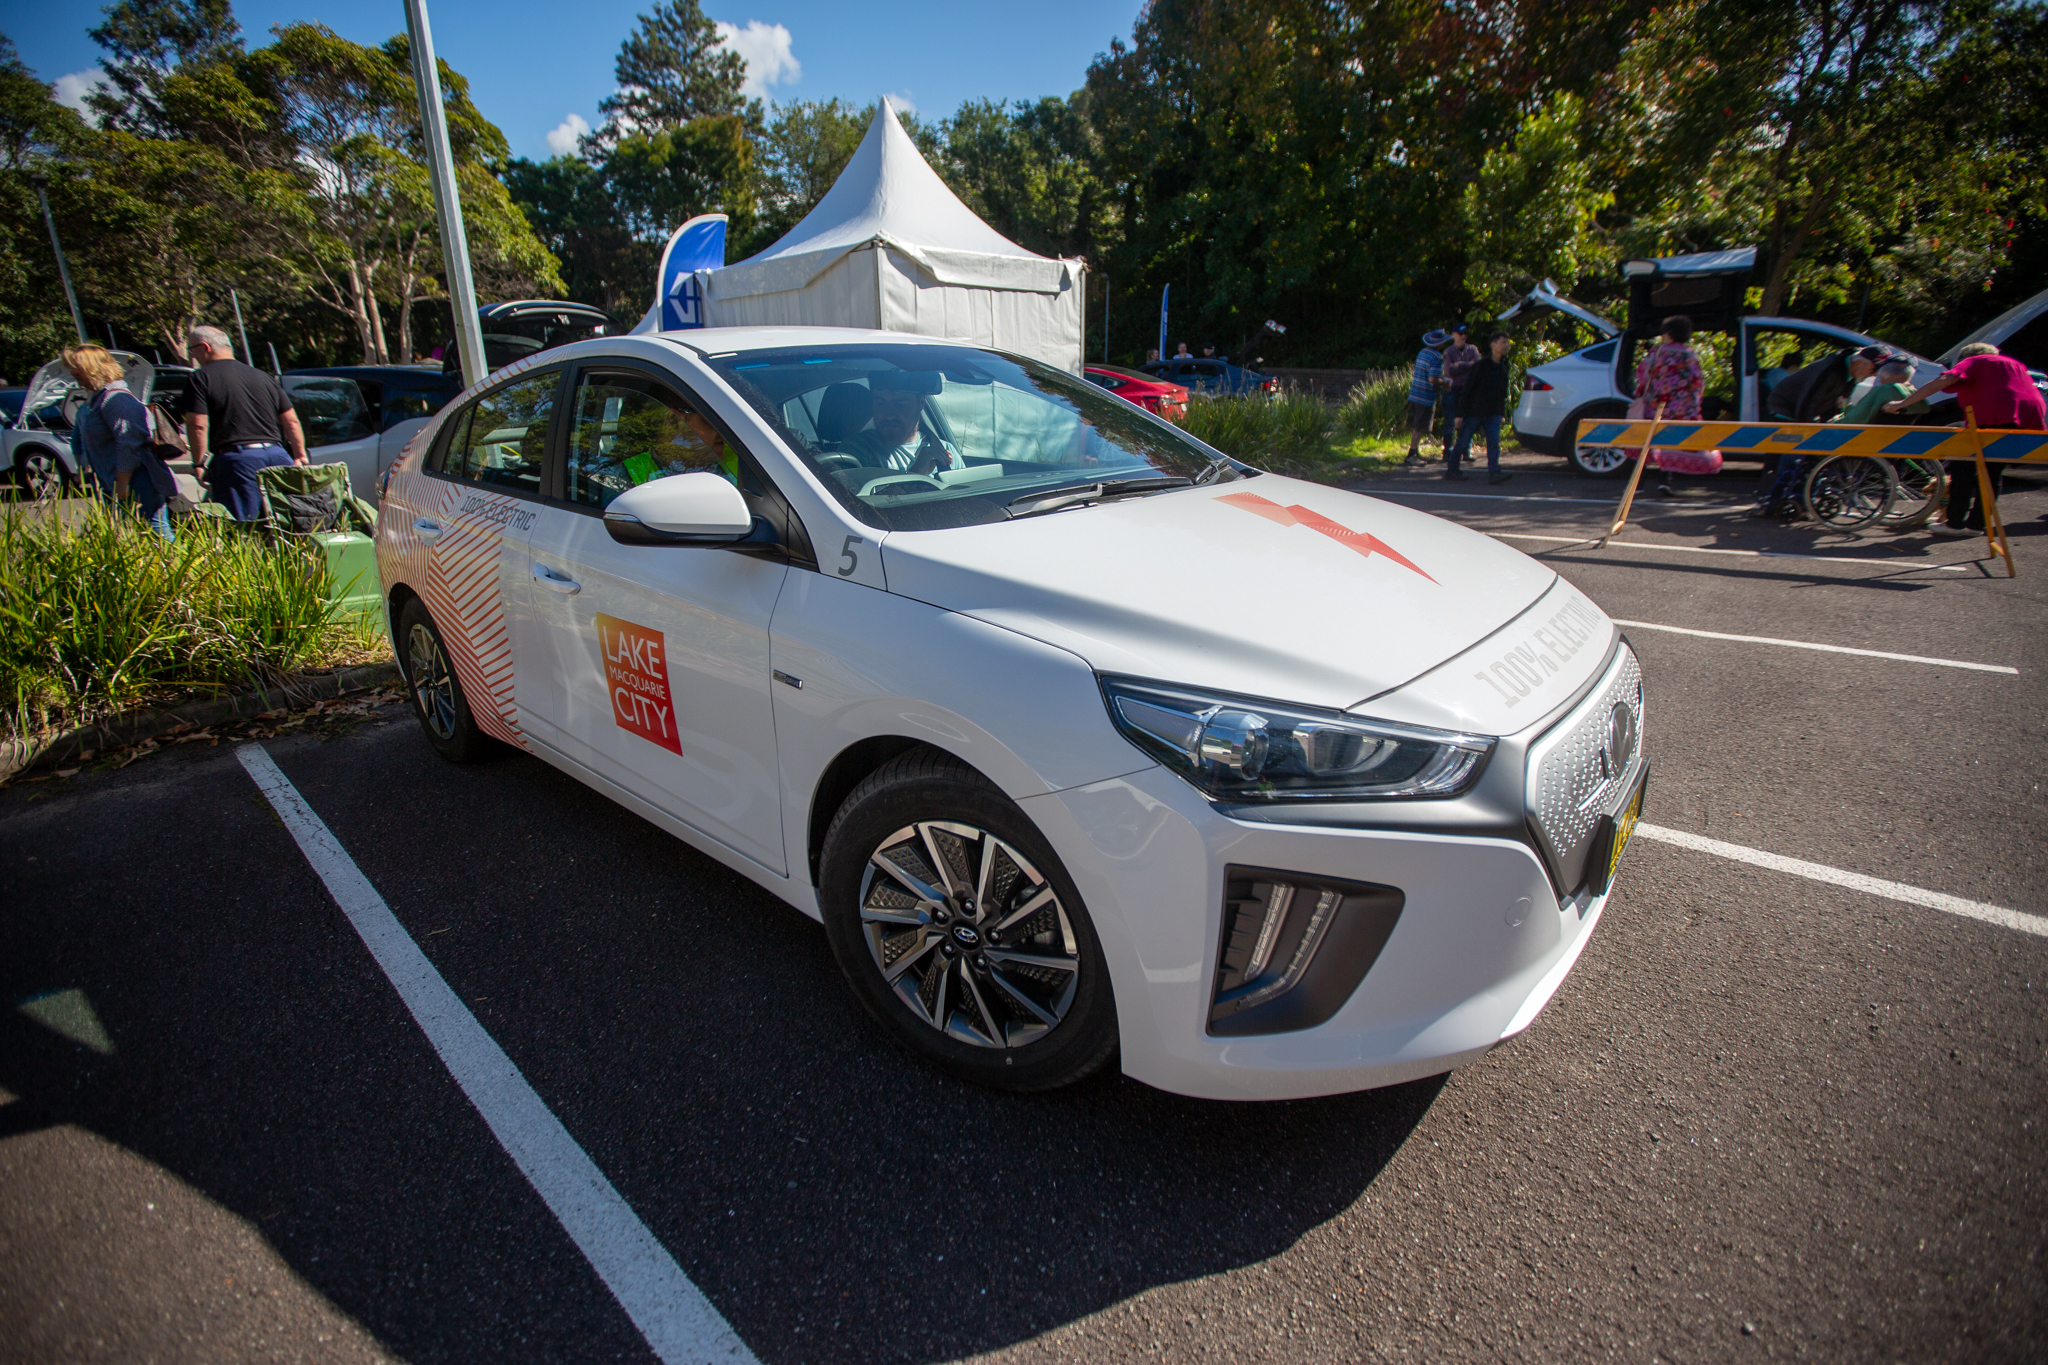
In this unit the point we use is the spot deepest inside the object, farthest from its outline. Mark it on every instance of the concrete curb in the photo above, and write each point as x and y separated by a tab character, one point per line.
48	751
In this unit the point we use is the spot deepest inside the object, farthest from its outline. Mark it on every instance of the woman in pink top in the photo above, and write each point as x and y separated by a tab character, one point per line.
1997	390
1671	375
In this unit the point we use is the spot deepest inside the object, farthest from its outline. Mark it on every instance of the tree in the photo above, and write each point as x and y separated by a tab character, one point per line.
1034	175
672	69
365	224
36	135
148	41
1532	212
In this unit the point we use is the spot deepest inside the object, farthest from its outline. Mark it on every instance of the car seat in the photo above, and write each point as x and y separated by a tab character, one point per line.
842	413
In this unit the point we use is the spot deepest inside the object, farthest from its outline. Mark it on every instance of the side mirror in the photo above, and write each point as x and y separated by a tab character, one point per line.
683	509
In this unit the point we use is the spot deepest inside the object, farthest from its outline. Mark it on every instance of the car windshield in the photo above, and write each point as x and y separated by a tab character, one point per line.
920	438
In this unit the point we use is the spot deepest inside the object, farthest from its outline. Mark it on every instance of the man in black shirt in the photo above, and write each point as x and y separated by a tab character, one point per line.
1482	403
241	420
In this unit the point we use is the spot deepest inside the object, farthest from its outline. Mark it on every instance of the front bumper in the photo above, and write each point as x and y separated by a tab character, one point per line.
1487	932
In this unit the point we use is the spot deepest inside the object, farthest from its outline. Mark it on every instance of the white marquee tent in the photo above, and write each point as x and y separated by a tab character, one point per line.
889	246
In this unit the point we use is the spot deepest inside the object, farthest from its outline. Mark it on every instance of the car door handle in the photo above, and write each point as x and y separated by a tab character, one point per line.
426	528
555	582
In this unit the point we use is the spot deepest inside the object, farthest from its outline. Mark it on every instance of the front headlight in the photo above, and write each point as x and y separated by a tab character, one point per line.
1236	749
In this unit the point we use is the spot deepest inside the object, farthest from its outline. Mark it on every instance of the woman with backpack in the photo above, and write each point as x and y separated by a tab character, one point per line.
114	433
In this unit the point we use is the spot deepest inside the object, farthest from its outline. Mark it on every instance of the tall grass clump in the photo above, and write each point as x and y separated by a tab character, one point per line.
1377	409
1261	429
102	614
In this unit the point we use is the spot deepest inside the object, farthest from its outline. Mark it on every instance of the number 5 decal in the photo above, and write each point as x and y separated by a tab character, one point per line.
849	561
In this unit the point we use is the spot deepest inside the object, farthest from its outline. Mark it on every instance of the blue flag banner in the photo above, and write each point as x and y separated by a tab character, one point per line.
697	245
1163	295
1819	438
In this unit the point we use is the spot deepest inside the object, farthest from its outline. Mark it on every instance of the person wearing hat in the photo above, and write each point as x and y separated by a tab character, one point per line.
1461	357
1427	377
1814	392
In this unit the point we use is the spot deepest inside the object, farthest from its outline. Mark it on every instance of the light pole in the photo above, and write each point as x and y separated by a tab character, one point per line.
42	183
426	77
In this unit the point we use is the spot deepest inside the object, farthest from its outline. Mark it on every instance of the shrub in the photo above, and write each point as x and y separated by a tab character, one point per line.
1260	428
101	614
1377	408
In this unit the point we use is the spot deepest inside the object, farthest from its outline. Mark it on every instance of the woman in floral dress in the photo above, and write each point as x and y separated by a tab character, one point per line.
1671	375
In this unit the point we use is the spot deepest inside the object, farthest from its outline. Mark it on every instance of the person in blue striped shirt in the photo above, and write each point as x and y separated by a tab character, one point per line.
1422	390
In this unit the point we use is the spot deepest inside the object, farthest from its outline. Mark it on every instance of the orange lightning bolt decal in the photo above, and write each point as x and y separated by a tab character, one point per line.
1298	515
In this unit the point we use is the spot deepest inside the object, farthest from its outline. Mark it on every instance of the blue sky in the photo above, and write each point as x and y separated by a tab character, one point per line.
532	64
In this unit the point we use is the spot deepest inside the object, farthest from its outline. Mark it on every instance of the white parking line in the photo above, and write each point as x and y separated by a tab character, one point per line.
1827	649
1854	881
1704	550
678	1322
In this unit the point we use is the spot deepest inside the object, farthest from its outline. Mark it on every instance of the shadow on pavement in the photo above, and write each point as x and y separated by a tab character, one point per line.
836	1200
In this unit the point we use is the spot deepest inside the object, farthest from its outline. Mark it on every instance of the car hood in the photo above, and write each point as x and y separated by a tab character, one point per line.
54	381
1265	586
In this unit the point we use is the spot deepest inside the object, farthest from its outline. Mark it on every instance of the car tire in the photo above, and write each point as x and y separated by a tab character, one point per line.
960	932
38	473
1592	462
437	698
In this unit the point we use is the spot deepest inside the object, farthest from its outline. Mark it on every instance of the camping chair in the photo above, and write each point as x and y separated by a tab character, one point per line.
313	503
301	500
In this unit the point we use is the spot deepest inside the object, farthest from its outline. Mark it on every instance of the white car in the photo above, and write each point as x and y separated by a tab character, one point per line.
35	424
1597	381
1081	739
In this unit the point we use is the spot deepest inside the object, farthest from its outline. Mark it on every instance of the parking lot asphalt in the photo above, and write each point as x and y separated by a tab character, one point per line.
1765	1118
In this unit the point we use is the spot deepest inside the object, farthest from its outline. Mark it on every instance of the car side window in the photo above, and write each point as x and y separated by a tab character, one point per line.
403	405
627	429
503	438
331	409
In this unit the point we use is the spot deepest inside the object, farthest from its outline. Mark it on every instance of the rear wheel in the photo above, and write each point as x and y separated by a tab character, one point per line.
437	698
1848	492
1592	462
960	932
37	472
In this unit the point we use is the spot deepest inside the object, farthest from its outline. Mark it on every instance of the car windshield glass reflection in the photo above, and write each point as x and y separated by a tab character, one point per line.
913	438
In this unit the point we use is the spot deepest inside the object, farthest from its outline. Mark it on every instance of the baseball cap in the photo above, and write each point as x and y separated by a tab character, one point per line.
1876	355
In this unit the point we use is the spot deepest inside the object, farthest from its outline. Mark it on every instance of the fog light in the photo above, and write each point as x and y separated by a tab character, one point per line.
1294	948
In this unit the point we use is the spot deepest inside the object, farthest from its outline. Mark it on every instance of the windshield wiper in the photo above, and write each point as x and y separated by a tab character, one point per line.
1031	504
1217	467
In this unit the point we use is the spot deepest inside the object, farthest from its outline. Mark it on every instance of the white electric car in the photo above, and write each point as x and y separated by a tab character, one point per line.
1081	739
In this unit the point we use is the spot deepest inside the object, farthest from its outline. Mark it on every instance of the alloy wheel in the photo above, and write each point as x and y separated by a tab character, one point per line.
968	934
38	475
433	686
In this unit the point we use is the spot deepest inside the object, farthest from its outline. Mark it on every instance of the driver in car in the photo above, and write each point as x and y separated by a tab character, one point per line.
898	439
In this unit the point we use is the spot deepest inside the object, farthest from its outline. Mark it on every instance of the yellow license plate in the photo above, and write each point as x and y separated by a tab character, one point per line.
1625	825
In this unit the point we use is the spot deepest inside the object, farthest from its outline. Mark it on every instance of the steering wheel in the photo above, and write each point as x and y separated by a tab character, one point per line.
872	484
835	460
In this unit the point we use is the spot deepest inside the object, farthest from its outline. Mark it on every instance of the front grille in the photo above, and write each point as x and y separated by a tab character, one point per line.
1573	779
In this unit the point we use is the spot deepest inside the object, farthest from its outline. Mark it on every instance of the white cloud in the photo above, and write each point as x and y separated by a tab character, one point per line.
562	138
901	99
766	50
72	90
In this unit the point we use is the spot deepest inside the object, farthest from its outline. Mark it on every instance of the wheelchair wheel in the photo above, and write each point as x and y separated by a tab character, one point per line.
1922	487
1848	492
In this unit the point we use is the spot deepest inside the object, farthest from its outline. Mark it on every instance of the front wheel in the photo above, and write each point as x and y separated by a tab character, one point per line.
1592	462
437	697
960	932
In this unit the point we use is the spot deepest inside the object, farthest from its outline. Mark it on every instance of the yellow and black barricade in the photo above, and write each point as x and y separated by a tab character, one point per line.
1966	442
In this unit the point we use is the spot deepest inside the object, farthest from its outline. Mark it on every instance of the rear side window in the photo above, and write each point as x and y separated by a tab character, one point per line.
403	405
331	409
503	438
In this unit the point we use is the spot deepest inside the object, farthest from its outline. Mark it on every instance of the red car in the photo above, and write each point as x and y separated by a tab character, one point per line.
1154	395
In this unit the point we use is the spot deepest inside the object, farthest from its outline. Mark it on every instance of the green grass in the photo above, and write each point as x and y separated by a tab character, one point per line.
100	614
1294	432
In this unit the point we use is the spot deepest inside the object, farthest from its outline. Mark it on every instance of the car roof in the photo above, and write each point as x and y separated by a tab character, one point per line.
384	372
717	341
